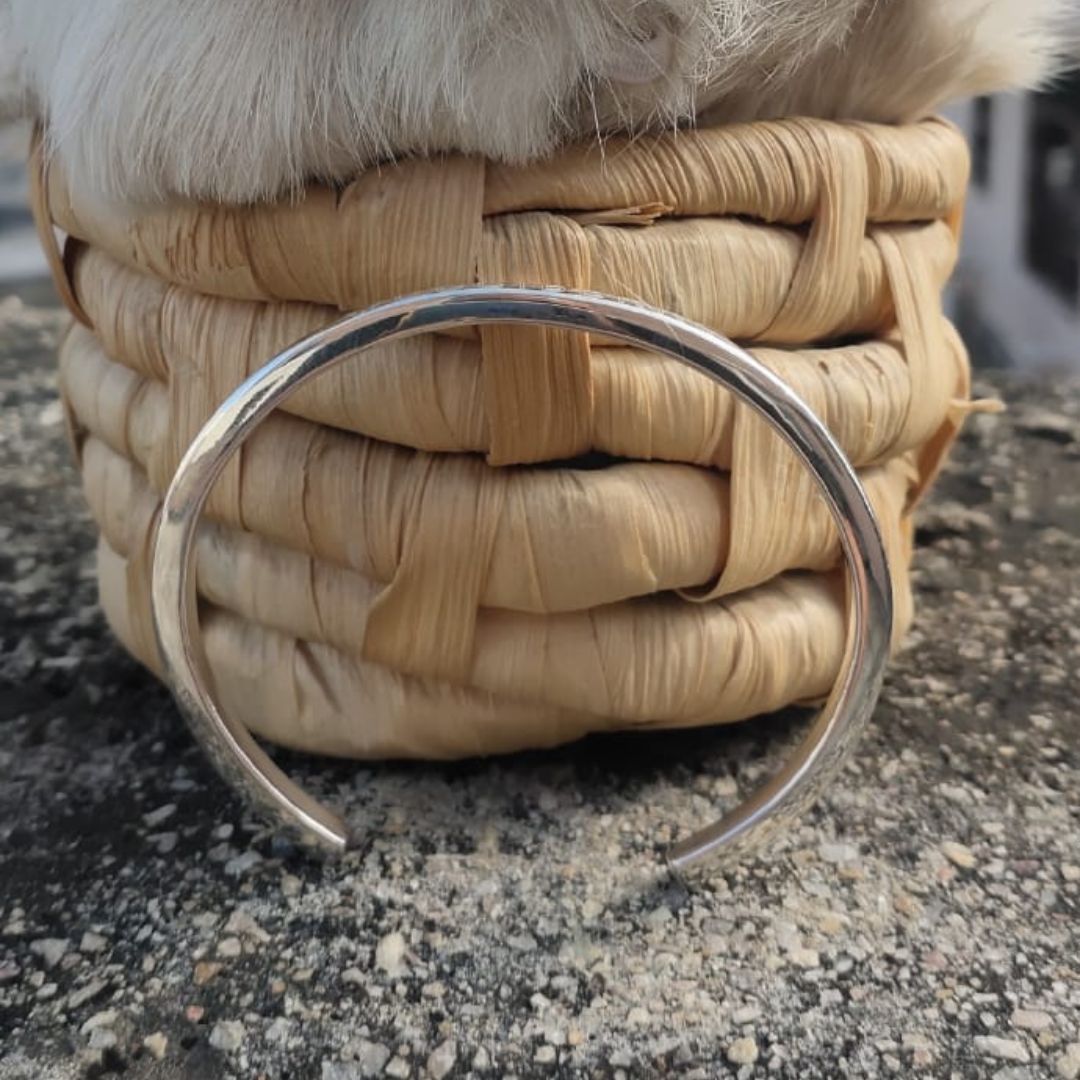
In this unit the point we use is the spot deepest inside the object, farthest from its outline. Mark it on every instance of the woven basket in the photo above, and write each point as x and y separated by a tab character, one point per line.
513	536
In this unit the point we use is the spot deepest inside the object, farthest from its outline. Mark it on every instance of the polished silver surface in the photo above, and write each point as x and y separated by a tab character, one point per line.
247	767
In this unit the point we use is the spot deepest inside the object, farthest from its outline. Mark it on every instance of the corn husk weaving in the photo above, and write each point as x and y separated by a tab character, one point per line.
513	537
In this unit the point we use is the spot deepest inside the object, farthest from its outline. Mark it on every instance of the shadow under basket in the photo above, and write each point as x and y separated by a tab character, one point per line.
511	536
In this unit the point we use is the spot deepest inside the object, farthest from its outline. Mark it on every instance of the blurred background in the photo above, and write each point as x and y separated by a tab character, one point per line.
22	266
1016	294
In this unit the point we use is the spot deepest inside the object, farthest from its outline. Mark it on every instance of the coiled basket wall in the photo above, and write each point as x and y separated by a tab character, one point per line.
513	536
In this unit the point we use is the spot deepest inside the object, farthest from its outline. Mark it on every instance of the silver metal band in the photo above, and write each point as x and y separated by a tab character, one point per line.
246	766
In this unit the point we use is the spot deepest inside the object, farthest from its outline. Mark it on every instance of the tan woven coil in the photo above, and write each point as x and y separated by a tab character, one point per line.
415	559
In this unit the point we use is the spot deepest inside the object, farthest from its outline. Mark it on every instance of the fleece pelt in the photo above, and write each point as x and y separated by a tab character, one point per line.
236	100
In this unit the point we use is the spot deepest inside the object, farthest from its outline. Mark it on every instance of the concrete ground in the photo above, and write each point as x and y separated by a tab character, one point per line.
512	917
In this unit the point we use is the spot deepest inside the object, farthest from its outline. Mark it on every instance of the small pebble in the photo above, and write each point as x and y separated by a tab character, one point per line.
1031	1020
390	955
1068	1064
831	923
166	842
343	1070
102	1038
743	1052
958	854
442	1059
241	864
371	1057
227	1036
1002	1049
100	1019
243	925
205	970
159	816
156	1045
94	988
93	943
51	950
838	853
279	1031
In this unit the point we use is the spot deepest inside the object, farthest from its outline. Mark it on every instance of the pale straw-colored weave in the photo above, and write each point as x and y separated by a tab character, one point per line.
510	537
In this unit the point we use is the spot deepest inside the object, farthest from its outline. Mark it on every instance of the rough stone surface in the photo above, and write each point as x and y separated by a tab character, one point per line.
1005	1049
228	1036
743	1052
518	909
370	1058
157	1045
1067	1065
442	1059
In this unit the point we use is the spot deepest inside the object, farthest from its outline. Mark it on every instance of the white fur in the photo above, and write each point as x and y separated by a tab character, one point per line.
237	100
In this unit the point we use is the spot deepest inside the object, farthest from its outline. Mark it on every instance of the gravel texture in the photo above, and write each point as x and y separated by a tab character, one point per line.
512	917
